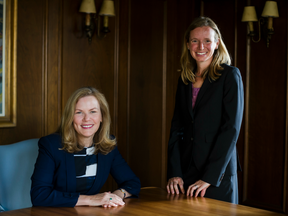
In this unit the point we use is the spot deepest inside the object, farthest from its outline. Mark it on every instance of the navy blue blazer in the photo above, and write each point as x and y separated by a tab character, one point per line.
208	133
54	177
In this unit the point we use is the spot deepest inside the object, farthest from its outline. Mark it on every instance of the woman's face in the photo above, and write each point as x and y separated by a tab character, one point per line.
87	119
202	44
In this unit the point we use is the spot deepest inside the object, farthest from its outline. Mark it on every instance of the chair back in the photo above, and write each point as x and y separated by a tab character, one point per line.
16	167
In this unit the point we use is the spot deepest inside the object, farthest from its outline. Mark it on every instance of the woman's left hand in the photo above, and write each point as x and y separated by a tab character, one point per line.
119	194
117	197
197	187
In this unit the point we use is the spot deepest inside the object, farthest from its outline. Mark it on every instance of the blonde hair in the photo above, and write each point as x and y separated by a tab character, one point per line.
220	56
102	140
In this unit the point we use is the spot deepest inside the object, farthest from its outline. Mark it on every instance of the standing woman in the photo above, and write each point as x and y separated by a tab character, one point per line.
74	163
202	155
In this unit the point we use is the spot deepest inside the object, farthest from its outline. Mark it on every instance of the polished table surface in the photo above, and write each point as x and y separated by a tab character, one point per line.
151	201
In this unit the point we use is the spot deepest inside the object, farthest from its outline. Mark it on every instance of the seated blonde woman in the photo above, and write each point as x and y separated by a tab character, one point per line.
74	163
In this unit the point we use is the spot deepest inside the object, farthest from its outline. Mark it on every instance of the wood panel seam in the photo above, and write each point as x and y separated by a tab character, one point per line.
128	81
60	64
246	144
44	70
164	95
116	70
285	182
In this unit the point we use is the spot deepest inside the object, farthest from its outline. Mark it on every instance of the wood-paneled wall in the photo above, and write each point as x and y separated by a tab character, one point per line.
266	138
136	67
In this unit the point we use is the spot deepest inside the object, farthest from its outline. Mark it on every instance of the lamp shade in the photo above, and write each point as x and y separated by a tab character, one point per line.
270	9
249	14
107	8
87	6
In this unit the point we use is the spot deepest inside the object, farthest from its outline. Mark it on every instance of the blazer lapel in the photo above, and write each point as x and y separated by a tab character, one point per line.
202	91
189	98
71	173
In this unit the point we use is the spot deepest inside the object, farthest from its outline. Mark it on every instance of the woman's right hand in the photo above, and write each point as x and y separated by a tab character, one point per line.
173	183
105	199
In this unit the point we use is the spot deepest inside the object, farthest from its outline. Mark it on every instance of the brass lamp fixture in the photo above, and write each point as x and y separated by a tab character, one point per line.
270	11
88	7
249	15
107	10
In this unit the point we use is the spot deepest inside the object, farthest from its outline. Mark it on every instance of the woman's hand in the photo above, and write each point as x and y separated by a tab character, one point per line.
173	183
197	187
114	201
106	199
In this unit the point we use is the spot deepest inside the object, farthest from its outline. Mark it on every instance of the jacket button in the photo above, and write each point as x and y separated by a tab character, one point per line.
191	138
192	122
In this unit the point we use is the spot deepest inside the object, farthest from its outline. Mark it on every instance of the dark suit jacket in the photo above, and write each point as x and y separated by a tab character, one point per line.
54	177
208	133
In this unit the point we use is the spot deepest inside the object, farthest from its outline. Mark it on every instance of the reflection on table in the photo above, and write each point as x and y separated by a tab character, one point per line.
152	201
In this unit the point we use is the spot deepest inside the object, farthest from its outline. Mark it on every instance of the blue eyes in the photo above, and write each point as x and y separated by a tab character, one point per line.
89	112
195	41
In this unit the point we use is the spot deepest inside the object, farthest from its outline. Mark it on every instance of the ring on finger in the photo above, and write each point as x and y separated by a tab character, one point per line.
110	199
196	186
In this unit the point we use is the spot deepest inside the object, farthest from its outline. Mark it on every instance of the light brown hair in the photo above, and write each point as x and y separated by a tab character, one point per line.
102	141
220	56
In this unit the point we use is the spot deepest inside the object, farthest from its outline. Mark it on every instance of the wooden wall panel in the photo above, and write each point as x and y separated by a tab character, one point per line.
123	79
53	43
267	117
146	56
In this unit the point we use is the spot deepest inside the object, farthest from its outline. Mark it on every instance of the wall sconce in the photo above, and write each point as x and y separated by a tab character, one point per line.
88	7
249	15
107	10
270	11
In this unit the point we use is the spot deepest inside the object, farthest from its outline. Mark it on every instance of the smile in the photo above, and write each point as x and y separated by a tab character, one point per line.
201	53
87	126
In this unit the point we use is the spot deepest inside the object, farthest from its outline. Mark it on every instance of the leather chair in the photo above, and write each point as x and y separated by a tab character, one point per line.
16	167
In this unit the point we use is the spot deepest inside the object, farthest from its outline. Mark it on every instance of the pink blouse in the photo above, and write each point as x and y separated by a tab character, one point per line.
195	92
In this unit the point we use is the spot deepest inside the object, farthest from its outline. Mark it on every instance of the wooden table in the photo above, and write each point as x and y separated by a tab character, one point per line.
152	201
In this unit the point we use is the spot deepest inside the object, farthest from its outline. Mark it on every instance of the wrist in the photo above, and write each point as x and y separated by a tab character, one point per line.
124	193
83	200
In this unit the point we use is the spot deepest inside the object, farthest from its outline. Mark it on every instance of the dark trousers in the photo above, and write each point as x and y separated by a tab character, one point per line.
227	191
